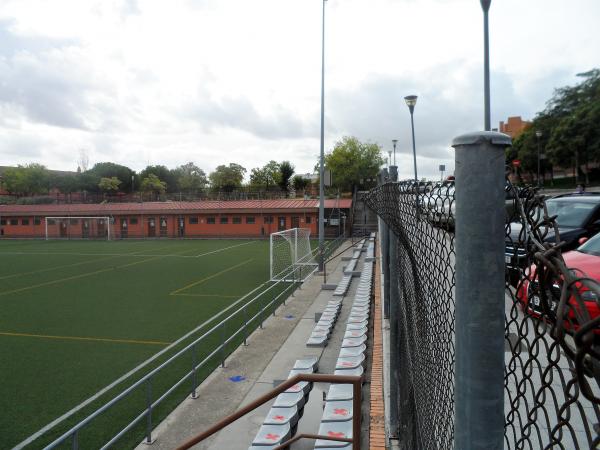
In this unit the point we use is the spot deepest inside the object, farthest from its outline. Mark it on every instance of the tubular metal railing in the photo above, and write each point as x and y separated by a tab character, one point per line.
355	381
191	376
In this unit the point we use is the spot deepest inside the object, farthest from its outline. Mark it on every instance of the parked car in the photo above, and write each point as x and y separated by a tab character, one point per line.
583	262
577	216
439	205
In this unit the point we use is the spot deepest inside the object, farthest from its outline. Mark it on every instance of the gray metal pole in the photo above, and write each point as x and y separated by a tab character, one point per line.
394	315
384	232
480	214
412	125
322	154
485	4
538	162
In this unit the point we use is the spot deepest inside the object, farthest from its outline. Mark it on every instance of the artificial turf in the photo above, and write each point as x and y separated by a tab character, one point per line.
76	315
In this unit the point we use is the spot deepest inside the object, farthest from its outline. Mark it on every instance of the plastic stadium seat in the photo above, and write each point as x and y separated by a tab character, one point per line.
349	334
352	351
350	362
338	411
339	392
272	435
310	363
356	372
354	342
289	400
280	416
334	429
357	325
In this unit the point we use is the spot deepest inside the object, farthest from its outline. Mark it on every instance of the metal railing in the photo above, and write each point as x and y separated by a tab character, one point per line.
242	315
356	382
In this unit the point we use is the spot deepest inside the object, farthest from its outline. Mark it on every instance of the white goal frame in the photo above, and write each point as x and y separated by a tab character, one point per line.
108	220
299	261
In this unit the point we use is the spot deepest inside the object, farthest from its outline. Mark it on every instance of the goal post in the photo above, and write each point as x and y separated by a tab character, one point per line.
79	227
291	255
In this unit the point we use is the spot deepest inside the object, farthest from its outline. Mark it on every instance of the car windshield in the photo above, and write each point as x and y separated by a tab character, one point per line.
591	247
570	213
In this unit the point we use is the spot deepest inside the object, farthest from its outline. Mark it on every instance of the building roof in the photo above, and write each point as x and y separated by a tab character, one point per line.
205	206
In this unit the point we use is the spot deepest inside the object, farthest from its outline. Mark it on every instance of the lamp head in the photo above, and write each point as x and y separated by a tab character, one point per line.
394	141
485	4
538	133
411	101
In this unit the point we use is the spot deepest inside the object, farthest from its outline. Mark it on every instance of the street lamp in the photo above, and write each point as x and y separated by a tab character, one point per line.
538	134
411	101
322	154
394	141
485	5
389	158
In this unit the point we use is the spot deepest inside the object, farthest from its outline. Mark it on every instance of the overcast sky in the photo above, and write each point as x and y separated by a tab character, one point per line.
219	81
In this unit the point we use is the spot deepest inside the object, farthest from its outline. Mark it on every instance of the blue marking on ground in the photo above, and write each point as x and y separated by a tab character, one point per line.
288	317
237	378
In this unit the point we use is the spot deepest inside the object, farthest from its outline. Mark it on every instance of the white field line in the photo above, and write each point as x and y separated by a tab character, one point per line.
149	255
83	404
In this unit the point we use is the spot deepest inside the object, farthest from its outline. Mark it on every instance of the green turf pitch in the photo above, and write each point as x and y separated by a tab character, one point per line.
77	315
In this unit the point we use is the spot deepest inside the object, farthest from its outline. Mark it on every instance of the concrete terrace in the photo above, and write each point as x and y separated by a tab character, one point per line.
263	364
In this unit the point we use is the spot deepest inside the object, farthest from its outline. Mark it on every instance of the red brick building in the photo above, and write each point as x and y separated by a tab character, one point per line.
247	218
514	126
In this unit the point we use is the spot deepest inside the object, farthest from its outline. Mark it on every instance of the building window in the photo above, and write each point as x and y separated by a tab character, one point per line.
250	220
268	219
210	220
14	221
236	220
224	220
37	221
74	221
133	221
193	220
51	222
24	221
308	219
2	221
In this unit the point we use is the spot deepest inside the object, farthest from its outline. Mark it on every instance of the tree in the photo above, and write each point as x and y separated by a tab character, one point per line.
227	178
265	177
152	183
26	180
286	170
163	174
300	183
190	178
109	184
351	161
91	178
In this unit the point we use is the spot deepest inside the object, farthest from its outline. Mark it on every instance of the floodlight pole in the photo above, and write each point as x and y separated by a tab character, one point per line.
485	5
322	154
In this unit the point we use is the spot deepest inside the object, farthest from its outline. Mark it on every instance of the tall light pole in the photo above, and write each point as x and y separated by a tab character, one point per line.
485	5
411	101
322	155
394	141
538	134
389	158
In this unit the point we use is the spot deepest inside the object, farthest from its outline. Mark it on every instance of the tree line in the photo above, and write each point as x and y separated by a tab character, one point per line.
566	132
351	162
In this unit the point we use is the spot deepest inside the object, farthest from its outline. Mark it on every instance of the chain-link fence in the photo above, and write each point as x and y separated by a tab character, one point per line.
552	320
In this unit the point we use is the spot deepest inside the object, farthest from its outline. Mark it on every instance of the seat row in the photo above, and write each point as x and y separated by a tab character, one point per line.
338	412
344	283
324	326
281	423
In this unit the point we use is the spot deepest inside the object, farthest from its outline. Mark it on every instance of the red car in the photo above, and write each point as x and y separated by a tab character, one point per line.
584	262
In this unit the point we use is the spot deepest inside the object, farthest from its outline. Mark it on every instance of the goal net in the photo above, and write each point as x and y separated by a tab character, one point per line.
75	227
291	255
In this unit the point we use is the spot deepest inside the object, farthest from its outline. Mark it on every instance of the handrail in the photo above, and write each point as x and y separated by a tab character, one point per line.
355	381
147	379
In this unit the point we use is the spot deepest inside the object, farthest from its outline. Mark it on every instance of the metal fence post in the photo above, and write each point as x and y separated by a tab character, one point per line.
394	315
384	233
480	215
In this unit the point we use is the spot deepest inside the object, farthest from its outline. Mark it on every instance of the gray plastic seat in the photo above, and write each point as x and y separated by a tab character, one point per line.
310	363
350	362
334	429
357	325
339	392
320	341
337	411
272	435
356	372
354	342
303	386
289	400
280	416
349	334
352	351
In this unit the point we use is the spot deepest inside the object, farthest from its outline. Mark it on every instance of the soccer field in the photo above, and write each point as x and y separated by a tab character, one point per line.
77	315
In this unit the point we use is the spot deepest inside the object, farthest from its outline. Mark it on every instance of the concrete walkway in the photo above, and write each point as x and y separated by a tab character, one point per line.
264	362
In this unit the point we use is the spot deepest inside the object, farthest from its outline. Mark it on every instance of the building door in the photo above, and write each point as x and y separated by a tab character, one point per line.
124	229
101	228
281	223
63	228
295	222
85	228
151	227
181	226
163	227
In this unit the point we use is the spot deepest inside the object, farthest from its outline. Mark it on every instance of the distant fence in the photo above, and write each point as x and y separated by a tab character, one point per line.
495	341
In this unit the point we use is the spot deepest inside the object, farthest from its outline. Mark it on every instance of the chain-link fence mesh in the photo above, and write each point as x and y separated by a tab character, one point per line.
552	318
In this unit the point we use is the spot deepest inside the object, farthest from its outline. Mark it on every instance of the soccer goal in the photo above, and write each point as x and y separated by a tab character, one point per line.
291	256
79	227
